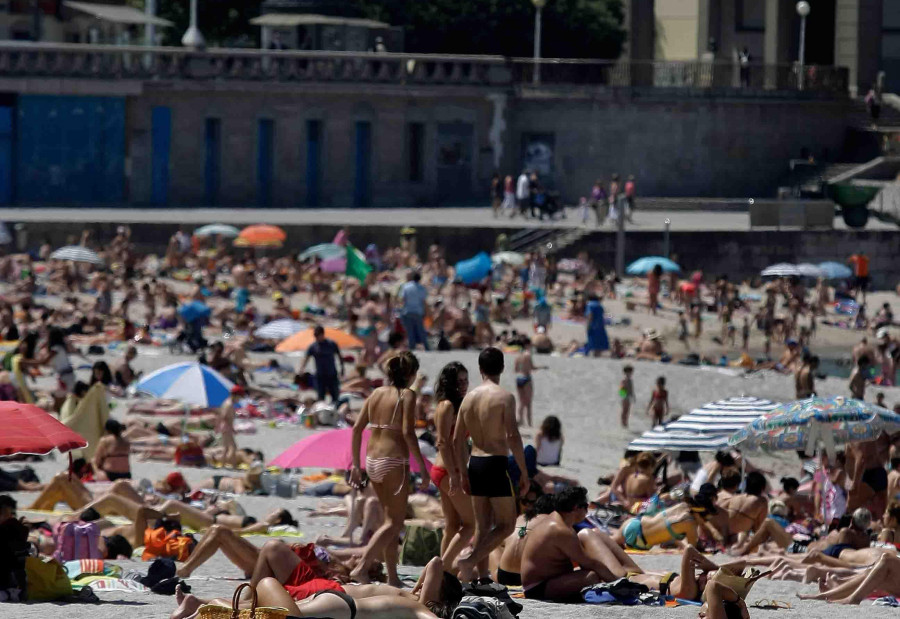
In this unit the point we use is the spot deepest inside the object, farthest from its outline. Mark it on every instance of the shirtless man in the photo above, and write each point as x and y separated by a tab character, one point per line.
861	349
868	477
124	374
858	377
525	382
487	415
553	547
804	377
225	427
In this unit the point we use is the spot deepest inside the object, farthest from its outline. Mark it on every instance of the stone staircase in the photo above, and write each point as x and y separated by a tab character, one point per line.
547	240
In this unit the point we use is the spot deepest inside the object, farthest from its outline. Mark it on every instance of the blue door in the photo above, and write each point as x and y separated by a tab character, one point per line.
213	159
6	155
264	161
361	195
161	145
313	161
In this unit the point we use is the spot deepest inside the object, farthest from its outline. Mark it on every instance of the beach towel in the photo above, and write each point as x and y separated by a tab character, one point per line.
87	417
108	583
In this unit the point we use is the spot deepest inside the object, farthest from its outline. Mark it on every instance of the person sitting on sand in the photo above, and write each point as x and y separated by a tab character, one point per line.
506	559
552	548
744	512
641	485
650	347
788	361
673	524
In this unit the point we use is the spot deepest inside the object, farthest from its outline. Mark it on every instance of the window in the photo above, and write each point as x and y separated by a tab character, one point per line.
750	15
415	146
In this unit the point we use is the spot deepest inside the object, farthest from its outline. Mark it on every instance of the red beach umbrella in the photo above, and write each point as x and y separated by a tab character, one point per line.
27	429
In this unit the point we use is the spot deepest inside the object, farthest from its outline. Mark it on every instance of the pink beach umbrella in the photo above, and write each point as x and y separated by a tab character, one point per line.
334	265
329	450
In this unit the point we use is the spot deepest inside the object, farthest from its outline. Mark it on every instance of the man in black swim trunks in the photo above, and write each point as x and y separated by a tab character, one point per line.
865	462
488	416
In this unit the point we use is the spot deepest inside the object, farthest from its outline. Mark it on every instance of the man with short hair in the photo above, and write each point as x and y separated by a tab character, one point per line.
324	351
413	296
552	548
8	507
488	415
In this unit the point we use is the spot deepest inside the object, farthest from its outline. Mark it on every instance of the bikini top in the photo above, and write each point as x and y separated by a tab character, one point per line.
392	425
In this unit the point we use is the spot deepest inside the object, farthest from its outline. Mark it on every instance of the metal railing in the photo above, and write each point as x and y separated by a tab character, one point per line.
18	59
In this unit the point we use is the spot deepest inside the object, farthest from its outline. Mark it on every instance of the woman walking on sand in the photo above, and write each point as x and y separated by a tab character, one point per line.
597	340
449	391
391	412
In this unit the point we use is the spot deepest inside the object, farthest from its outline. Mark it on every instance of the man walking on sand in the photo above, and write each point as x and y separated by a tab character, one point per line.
488	416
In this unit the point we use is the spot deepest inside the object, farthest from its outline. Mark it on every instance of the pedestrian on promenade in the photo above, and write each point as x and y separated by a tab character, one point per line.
523	193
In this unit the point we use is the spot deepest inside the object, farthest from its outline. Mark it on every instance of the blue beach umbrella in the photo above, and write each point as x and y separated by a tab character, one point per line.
194	310
804	424
835	270
644	265
189	382
474	269
217	230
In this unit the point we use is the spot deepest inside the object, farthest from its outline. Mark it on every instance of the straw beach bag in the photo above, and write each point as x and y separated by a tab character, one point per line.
214	611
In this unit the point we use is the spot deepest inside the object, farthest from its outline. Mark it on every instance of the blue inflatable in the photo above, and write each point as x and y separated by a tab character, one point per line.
474	269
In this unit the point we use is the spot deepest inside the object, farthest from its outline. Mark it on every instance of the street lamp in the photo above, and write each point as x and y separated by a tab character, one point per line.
802	11
539	7
192	37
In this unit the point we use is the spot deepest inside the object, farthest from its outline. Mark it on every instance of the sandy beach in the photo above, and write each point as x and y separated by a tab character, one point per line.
580	391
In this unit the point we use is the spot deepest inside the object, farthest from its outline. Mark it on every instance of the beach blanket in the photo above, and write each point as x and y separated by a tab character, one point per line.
87	417
108	583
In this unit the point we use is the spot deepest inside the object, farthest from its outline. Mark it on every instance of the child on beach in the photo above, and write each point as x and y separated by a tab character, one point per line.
626	393
659	402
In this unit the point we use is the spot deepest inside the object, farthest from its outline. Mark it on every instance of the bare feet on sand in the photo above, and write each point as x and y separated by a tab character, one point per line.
187	604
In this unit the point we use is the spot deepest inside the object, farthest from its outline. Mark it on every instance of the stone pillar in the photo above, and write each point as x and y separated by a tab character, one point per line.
857	41
777	39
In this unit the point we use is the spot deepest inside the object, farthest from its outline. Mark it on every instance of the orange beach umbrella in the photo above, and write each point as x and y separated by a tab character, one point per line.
304	339
261	235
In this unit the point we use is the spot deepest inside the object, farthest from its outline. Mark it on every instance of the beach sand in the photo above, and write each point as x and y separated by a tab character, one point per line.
582	392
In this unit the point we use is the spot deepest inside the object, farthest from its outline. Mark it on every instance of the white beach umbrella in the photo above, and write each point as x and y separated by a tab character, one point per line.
76	253
782	269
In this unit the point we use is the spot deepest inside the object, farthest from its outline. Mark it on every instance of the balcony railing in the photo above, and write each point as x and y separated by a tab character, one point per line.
19	59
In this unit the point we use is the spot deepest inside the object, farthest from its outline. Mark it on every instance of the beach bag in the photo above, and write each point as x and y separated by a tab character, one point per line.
420	545
189	454
46	580
213	611
170	544
475	607
77	540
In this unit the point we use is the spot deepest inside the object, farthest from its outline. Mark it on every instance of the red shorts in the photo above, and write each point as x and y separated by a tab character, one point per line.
303	583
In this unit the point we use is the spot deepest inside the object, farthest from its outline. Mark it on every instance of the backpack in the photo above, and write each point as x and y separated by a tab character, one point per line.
77	540
47	580
474	607
420	545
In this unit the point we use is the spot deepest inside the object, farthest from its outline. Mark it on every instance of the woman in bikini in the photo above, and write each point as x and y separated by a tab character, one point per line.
659	402
671	525
641	485
391	412
450	389
112	458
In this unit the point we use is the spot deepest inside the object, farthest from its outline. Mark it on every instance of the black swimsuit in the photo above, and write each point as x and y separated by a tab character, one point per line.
351	603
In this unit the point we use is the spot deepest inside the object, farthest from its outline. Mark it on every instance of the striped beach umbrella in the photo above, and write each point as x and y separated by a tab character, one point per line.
280	329
706	428
217	230
76	253
189	382
782	269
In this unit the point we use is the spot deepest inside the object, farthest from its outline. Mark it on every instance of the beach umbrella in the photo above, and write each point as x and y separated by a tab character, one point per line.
280	329
809	270
835	270
304	339
782	269
803	424
331	449
323	251
28	429
644	265
512	258
706	428
194	310
474	269
76	253
261	235
5	237
217	230
188	382
337	264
